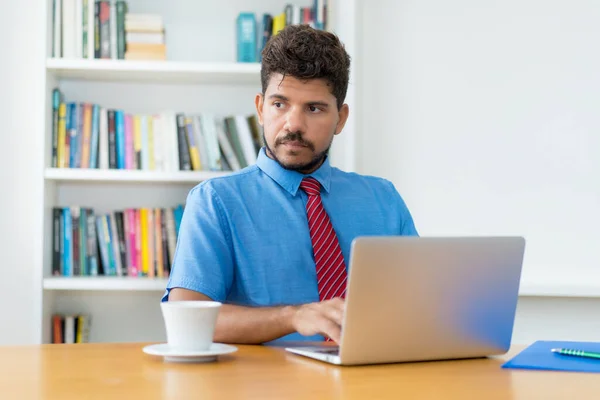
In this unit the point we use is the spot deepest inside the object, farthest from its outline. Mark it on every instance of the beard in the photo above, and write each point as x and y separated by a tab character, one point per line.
317	159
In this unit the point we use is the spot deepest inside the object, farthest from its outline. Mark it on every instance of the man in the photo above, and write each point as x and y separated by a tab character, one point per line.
268	243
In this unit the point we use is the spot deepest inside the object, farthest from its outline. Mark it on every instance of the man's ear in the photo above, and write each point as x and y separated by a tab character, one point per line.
258	102
343	117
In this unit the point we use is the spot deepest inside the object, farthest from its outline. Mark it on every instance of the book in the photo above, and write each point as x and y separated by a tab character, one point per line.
246	37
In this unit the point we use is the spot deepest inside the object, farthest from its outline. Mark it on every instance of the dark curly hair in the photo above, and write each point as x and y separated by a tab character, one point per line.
307	53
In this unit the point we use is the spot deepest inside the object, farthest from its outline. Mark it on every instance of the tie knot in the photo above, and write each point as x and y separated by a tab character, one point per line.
311	186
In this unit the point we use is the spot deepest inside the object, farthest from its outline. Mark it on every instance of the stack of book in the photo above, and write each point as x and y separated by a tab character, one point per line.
145	37
88	29
135	242
71	328
89	135
252	34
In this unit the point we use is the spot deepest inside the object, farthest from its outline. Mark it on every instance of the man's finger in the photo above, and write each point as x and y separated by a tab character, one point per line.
337	302
330	328
334	313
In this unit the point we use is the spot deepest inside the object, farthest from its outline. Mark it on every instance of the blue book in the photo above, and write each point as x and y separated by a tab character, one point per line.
318	14
72	132
177	216
83	242
246	37
112	264
120	138
68	249
266	32
76	132
539	356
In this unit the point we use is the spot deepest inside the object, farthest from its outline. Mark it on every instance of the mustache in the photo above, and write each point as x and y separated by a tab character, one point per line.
294	137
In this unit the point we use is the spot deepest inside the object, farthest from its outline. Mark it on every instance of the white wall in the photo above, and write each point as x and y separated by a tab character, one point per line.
21	74
344	19
485	115
564	318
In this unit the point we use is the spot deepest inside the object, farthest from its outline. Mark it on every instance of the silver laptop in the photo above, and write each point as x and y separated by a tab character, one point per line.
427	298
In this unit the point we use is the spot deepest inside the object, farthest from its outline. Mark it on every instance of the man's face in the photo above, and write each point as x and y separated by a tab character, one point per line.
299	119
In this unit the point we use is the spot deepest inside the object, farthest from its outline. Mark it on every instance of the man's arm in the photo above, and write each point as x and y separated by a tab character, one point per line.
254	325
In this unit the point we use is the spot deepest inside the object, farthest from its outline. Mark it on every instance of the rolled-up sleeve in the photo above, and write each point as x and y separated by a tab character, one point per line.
203	259
407	225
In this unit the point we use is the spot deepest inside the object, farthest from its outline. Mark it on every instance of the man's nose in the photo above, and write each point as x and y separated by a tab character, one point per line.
294	120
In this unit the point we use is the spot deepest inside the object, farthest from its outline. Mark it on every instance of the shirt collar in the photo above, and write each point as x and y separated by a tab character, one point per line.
290	180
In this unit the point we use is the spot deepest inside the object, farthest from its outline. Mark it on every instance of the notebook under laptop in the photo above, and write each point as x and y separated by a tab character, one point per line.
427	298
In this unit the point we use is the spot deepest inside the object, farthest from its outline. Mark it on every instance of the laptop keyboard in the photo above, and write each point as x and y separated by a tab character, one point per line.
334	351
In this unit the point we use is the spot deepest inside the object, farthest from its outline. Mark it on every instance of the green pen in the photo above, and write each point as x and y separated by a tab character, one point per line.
577	353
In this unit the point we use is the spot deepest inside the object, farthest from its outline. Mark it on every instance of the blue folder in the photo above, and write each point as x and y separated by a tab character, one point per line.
539	356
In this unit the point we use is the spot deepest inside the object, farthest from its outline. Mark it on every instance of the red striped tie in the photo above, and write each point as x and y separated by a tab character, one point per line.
331	269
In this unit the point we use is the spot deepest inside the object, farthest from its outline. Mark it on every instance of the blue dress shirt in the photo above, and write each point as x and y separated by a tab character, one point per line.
244	238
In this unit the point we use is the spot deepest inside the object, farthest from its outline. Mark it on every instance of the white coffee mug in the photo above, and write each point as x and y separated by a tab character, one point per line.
190	325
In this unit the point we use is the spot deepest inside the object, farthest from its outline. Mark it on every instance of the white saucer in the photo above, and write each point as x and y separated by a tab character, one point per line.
171	355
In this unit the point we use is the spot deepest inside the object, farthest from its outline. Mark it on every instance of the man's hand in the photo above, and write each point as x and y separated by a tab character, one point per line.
245	325
323	318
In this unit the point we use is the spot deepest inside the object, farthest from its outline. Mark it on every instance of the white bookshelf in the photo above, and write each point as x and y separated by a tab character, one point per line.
106	283
155	71
98	175
201	75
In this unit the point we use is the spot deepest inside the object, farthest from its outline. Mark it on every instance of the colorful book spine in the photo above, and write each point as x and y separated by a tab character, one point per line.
144	241
150	147
56	100
158	242
138	243
103	159
86	135
130	232
75	266
111	267
92	243
115	245
267	32
278	23
95	139
137	142
83	243
121	39
144	130
68	248
72	132
62	135
150	246
120	138
129	152
104	258
112	140
193	147
57	241
246	37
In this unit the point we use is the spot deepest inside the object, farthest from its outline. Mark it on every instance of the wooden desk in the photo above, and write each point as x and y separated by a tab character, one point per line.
123	371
